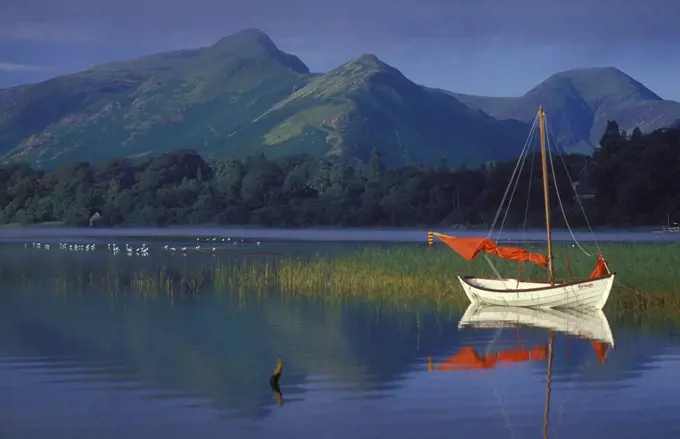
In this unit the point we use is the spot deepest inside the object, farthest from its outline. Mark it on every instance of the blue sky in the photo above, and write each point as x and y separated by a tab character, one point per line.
488	47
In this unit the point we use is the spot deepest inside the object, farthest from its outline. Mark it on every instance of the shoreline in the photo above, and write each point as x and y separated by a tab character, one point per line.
325	234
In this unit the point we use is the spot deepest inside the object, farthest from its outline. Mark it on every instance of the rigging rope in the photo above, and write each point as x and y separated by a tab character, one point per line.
526	209
499	398
578	200
507	189
493	267
521	160
512	194
559	197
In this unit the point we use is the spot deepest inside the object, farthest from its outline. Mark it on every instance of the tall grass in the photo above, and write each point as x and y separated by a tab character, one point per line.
400	277
647	275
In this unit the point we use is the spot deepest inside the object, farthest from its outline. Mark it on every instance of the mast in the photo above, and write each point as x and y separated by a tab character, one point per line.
546	411
546	199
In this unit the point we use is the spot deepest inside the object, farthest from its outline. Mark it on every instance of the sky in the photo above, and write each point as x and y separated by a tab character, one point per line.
484	47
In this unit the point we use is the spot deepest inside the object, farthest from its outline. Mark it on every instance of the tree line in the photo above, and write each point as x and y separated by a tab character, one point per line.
630	180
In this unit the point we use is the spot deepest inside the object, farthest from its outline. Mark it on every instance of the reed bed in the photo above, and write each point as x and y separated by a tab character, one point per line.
406	277
647	275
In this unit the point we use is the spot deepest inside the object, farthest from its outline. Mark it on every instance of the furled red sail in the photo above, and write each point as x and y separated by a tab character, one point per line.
468	248
601	269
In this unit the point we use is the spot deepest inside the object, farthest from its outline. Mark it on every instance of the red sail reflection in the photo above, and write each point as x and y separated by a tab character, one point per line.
469	359
601	350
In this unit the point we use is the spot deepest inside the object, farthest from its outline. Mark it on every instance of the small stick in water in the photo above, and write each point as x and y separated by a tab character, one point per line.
274	382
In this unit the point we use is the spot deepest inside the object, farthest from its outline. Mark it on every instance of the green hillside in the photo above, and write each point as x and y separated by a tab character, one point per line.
243	96
579	103
240	97
366	104
188	98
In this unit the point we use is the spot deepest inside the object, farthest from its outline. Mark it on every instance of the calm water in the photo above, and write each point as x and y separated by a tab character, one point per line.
78	360
329	234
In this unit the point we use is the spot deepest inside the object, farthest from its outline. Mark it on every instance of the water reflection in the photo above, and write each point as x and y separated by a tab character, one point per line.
175	366
216	347
590	325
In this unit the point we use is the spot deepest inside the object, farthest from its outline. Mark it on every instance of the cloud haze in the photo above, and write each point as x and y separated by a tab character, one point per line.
14	67
486	34
541	21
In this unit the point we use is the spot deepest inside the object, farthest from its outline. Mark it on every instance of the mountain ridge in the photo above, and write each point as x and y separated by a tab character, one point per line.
243	95
582	101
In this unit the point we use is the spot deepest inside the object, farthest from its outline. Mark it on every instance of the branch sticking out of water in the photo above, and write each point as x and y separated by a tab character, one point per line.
274	382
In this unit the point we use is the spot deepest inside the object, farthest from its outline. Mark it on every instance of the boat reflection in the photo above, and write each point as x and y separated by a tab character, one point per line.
589	324
583	323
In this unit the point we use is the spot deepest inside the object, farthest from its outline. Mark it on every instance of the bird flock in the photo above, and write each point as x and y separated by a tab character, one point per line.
207	248
142	250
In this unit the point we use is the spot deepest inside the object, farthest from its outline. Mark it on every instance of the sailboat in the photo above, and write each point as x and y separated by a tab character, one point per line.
592	292
586	324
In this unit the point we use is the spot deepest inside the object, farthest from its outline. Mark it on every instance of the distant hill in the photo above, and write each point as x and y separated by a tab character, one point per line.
243	96
240	97
579	103
190	98
365	104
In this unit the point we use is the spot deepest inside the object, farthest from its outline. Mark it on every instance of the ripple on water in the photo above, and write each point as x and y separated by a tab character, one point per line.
81	364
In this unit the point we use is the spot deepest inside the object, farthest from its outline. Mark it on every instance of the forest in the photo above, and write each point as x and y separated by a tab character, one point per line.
630	180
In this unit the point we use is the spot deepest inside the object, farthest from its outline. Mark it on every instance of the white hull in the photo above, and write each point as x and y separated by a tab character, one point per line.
508	292
586	323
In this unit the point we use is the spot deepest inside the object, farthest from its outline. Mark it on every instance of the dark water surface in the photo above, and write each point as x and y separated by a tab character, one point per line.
81	361
339	234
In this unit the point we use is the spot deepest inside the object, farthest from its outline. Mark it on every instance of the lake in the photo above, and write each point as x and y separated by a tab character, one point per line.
334	235
81	360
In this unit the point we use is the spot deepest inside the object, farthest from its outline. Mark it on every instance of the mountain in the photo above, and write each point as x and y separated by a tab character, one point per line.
243	96
365	104
579	103
240	97
188	98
